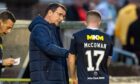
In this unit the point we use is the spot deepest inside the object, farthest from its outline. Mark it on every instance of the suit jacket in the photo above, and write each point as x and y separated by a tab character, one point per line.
47	57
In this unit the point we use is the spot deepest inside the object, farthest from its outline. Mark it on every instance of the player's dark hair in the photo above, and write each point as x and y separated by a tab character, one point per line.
95	13
5	15
53	7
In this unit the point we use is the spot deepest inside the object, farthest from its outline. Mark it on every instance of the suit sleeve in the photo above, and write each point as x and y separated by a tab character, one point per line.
43	41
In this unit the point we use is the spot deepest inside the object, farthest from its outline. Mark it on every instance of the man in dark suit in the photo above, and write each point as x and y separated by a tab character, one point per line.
46	52
7	20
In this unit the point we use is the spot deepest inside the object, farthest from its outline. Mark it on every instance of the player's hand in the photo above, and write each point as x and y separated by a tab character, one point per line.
8	62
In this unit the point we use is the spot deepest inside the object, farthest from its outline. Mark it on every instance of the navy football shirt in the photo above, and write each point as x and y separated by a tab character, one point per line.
92	48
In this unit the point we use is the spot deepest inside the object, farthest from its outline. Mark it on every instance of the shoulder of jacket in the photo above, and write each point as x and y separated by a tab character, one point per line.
41	26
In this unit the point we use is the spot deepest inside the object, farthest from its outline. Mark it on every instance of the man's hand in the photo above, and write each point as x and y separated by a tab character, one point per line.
8	62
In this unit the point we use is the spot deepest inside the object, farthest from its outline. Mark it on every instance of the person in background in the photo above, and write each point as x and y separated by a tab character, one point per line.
109	13
76	11
48	63
7	20
133	34
90	53
91	4
125	17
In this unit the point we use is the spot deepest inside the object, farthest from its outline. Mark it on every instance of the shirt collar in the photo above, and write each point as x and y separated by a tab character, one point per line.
93	28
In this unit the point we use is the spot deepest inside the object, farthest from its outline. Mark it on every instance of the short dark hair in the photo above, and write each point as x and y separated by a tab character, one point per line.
5	15
53	7
95	13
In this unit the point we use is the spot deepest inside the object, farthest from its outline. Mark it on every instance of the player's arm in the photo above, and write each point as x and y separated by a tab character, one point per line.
110	54
72	69
109	60
72	62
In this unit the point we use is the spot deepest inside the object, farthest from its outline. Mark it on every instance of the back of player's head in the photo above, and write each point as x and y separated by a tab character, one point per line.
5	15
53	7
93	15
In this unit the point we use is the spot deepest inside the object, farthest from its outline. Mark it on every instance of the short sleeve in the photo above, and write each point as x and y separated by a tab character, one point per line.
111	48
72	49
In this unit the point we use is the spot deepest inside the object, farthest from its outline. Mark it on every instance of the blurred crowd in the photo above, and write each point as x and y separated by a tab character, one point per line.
37	6
122	17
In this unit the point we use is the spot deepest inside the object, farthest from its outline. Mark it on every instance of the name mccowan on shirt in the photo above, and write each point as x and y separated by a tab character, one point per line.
95	45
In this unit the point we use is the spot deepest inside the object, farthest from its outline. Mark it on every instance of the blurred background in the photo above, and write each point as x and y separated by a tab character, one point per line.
120	20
